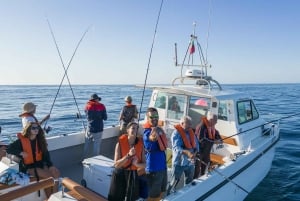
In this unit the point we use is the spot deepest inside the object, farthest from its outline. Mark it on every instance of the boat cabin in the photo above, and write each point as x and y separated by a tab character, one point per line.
236	111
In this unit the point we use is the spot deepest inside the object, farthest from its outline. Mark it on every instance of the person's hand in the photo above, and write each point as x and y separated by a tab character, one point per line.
47	116
135	161
54	171
191	155
24	154
88	135
131	152
153	135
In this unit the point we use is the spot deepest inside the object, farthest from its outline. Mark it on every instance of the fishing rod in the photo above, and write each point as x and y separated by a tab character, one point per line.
148	66
65	70
275	120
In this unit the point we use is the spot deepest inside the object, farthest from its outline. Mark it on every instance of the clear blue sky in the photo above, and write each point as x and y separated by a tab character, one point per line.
251	41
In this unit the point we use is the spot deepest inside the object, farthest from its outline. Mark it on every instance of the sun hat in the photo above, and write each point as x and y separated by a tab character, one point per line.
95	97
28	107
128	99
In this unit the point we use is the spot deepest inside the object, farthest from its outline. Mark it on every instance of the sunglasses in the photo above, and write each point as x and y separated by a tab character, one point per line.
153	117
35	128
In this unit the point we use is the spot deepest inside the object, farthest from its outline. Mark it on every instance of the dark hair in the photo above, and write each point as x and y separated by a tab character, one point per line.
151	109
41	139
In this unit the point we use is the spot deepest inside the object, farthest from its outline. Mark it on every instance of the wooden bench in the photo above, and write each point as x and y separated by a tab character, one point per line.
216	159
229	140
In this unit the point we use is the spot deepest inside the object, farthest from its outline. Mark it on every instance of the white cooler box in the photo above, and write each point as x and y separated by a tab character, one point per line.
97	173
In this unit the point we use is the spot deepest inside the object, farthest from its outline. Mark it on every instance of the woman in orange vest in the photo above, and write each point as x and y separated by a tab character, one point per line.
31	147
129	157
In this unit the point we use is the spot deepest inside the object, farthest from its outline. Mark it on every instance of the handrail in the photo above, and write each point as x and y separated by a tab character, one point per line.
25	190
82	191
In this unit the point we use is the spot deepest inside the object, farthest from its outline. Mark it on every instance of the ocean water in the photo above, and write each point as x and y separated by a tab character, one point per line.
274	101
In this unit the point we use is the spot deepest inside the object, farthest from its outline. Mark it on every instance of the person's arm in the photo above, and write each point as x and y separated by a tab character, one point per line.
119	160
136	112
44	119
146	138
218	138
47	159
121	115
15	148
104	113
202	132
176	142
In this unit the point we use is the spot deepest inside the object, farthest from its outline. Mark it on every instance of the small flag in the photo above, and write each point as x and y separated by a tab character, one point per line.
192	48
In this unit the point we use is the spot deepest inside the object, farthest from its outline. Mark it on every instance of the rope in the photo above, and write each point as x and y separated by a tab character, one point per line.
148	66
65	70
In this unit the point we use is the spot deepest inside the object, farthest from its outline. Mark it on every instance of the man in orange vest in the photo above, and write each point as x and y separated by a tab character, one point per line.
208	136
184	147
155	143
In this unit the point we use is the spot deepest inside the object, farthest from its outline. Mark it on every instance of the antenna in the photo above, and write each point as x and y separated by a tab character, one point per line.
209	17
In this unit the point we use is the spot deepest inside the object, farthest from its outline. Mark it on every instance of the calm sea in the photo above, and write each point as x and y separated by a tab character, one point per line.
273	100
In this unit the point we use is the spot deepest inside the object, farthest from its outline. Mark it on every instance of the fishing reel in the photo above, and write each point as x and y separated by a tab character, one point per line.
219	146
47	129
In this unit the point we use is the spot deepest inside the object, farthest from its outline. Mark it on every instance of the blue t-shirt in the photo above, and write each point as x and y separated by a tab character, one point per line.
155	158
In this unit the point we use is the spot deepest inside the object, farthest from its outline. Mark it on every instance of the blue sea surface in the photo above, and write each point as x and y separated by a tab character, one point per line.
274	101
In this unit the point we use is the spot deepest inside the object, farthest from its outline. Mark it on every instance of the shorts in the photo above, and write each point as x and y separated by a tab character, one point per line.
157	183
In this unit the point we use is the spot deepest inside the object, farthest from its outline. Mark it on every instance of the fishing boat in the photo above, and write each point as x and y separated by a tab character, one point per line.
237	166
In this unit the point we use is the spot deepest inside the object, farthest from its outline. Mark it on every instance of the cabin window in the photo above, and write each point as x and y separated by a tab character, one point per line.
198	107
160	101
246	111
175	106
222	110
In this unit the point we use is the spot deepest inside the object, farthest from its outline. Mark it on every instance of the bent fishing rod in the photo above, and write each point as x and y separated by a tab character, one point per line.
149	60
66	69
269	122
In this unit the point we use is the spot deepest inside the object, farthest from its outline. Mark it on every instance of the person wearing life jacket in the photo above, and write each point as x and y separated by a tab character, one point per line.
129	157
184	148
31	147
155	143
28	112
208	135
128	114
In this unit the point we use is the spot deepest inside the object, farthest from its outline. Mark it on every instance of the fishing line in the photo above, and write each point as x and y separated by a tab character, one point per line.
209	22
66	69
224	176
275	120
148	66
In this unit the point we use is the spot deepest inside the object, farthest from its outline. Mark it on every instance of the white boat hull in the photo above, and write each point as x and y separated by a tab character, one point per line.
233	182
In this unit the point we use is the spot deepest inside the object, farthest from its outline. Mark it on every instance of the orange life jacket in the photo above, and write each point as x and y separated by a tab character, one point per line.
27	148
188	144
211	130
124	147
161	138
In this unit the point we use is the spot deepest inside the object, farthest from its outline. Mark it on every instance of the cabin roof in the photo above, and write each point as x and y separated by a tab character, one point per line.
195	90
